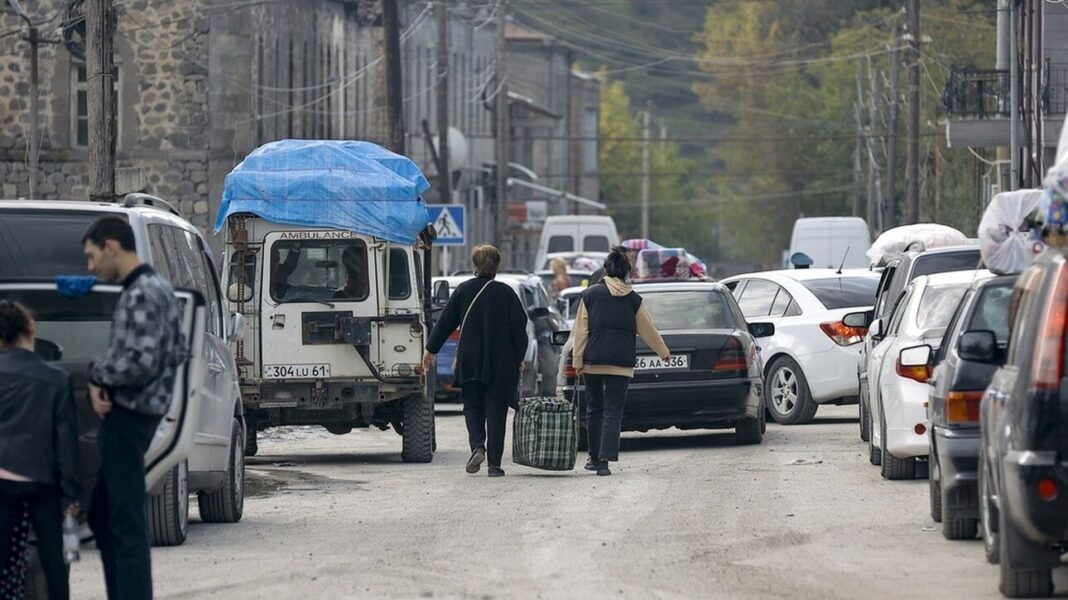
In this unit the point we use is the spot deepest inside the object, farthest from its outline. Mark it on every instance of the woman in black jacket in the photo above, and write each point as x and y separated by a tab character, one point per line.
39	474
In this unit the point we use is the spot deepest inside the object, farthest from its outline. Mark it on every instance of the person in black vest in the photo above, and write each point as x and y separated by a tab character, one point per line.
489	355
608	319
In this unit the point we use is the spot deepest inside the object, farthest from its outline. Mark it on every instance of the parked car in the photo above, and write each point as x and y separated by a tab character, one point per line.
539	373
41	241
899	369
956	387
895	277
831	242
578	278
575	233
812	356
568	302
714	379
1023	459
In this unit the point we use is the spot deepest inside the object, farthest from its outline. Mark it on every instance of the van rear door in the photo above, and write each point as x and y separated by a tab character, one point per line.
72	332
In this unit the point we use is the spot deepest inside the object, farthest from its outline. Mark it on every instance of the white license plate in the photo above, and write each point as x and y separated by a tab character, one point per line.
653	363
296	371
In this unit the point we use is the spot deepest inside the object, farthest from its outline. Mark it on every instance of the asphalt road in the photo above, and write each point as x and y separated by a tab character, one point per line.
686	515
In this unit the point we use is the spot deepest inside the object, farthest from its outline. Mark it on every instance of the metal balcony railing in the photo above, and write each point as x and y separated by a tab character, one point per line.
984	93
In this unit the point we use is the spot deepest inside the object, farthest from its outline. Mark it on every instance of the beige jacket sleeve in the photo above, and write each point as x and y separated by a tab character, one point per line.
647	331
581	334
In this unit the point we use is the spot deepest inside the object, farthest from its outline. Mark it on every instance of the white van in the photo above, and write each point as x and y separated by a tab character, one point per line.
576	234
831	242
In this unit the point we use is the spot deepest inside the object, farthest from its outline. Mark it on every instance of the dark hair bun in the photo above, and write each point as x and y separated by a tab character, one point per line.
617	264
15	322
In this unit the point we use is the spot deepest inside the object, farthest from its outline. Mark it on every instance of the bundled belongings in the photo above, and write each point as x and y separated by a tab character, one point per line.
1010	233
922	236
668	263
1055	198
545	434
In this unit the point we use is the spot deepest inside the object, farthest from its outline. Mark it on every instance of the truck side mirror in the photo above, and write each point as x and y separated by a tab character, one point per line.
237	327
441	292
232	295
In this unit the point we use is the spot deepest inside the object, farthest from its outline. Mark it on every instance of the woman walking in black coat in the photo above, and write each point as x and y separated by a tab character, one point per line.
489	355
610	316
39	473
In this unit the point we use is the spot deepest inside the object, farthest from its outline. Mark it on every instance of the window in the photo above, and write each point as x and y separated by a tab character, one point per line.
187	266
160	246
843	292
400	284
757	298
944	263
992	312
688	310
595	243
319	271
783	300
1028	298
43	243
938	305
884	304
79	99
250	273
899	312
953	330
561	243
210	283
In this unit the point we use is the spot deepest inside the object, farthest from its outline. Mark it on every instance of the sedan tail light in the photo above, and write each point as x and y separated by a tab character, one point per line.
1049	352
963	407
918	373
843	334
732	358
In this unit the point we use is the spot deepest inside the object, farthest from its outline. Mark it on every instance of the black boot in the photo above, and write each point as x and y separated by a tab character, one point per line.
602	468
476	460
591	464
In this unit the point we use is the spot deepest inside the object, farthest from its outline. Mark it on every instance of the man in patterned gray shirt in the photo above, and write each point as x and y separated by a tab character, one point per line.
131	389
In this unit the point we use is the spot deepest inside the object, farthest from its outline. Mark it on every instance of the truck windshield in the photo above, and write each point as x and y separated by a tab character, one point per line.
319	270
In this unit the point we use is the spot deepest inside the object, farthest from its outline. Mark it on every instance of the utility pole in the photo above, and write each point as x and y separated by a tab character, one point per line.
100	84
875	184
503	129
912	172
890	209
394	81
1014	95
443	103
858	167
645	173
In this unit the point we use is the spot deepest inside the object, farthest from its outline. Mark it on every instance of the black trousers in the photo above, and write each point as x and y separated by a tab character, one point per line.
605	397
487	419
118	514
22	505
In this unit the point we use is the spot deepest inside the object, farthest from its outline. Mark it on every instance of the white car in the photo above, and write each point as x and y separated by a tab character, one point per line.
812	358
898	369
568	302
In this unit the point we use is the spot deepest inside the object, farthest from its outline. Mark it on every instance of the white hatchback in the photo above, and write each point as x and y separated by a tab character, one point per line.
812	358
898	369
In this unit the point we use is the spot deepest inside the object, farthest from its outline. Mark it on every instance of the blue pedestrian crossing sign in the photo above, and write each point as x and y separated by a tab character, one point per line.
449	222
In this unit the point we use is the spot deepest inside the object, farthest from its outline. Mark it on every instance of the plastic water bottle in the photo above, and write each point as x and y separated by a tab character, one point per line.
71	541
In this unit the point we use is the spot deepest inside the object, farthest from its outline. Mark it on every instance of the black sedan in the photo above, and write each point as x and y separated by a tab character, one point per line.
957	387
714	378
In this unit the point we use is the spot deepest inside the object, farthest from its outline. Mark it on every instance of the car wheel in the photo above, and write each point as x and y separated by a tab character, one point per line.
168	512
748	432
787	392
226	504
418	436
988	518
1020	583
892	467
865	420
874	454
935	492
251	442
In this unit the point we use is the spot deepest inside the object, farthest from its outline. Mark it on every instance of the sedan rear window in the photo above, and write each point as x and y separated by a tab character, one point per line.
43	243
843	292
938	305
945	263
688	310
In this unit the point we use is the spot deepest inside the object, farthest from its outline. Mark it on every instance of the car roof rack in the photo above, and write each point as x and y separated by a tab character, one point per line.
138	199
499	272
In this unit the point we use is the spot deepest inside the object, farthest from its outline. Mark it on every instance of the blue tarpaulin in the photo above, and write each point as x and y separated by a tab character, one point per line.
346	185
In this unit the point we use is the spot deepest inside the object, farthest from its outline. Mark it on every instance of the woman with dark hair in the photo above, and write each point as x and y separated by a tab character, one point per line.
608	319
39	479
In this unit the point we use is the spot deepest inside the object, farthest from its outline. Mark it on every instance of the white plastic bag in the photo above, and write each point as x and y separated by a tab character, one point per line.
1004	246
921	236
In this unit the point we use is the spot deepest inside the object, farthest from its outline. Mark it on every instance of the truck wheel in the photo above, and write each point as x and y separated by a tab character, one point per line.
748	432
418	439
787	392
251	444
226	504
168	512
1025	582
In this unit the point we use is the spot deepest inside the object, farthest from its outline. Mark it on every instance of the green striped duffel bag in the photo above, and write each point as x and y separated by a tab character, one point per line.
545	434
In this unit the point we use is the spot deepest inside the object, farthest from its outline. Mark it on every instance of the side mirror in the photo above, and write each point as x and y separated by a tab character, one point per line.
232	296
762	330
539	313
49	351
979	345
860	320
916	356
441	292
875	330
237	327
559	338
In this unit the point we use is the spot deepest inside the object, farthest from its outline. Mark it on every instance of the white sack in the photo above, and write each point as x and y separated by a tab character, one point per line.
925	236
1006	249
